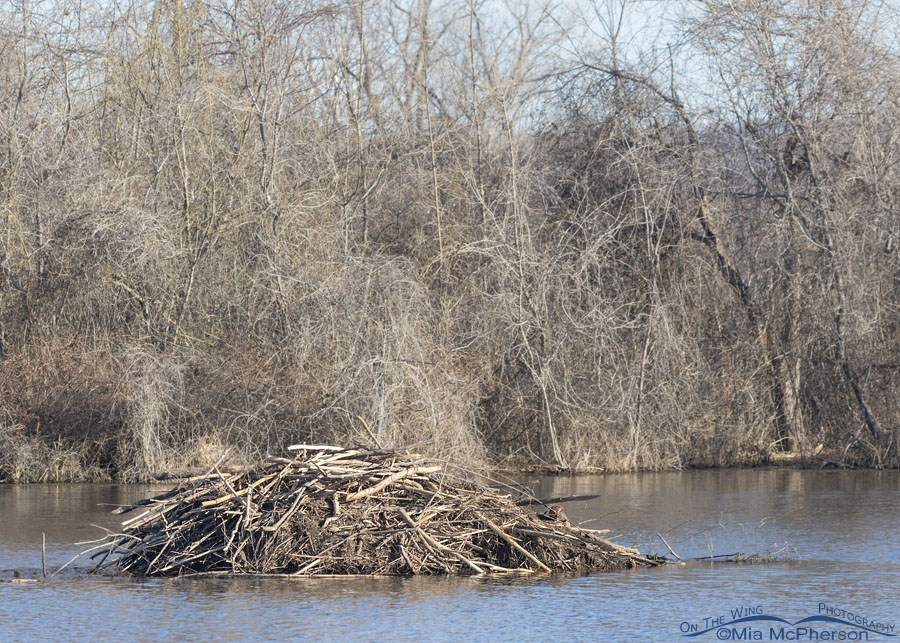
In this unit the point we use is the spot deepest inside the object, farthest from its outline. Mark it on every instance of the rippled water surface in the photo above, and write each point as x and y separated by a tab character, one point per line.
840	529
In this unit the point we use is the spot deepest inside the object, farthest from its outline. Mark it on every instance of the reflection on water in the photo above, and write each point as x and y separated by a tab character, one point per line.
843	526
66	513
820	514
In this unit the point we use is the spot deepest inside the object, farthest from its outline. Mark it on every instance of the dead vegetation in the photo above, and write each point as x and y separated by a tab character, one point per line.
332	510
525	240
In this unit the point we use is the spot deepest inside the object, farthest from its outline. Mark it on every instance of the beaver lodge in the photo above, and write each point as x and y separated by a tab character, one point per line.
332	510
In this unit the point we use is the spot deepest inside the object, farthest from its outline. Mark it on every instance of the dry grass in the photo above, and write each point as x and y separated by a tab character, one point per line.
472	241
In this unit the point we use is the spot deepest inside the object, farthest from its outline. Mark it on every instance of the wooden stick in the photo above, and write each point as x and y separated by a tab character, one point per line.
406	557
597	532
431	541
287	514
126	523
369	431
735	555
512	543
236	494
671	551
306	568
554	501
86	551
392	479
546	534
43	555
181	562
592	533
507	570
646	561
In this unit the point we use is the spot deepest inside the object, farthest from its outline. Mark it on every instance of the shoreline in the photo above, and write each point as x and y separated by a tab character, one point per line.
787	464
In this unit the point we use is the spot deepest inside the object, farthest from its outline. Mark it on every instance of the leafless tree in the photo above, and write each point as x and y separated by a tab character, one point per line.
492	229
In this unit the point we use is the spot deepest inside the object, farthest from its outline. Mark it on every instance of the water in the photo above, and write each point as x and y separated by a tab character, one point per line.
840	528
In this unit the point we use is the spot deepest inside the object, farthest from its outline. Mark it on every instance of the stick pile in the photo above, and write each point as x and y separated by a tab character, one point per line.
331	510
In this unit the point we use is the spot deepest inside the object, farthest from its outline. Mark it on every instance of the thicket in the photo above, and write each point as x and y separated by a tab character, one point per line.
495	230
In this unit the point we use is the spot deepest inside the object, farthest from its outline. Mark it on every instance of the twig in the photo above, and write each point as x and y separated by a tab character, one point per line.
554	501
735	555
671	551
431	541
511	541
369	431
545	534
235	494
390	480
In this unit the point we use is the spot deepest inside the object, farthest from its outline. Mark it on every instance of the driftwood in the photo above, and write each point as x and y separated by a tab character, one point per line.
329	510
552	501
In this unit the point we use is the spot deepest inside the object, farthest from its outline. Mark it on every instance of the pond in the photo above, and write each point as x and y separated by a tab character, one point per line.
840	531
